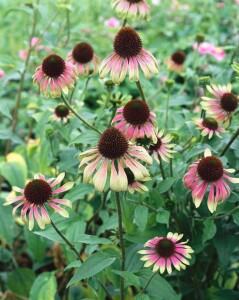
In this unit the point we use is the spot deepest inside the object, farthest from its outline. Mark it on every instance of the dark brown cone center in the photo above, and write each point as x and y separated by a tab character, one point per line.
155	147
127	43
62	111
229	102
53	66
210	123
38	191
134	1
210	169
179	57
136	112
165	248
112	144
83	53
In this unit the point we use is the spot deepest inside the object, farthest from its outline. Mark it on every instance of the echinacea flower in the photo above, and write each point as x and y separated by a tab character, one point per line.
128	55
55	76
162	148
84	58
112	155
175	62
209	126
208	172
37	194
218	53
136	185
61	113
136	120
223	105
165	252
132	9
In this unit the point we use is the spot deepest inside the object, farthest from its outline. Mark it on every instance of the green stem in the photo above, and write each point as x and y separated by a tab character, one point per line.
167	105
140	90
66	240
161	168
122	246
102	112
77	115
147	284
22	78
143	204
85	88
68	27
125	21
230	142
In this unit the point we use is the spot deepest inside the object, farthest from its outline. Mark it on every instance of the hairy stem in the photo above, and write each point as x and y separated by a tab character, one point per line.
147	284
66	240
22	78
122	246
140	90
77	115
230	142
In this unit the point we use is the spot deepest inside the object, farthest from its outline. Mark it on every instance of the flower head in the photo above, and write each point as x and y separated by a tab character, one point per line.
209	172
162	148
164	252
136	185
55	76
223	105
136	120
175	62
132	9
37	194
113	153
84	58
209	126
128	55
61	113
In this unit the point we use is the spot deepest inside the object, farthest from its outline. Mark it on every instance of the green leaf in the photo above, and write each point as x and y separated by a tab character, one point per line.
165	185
21	280
225	243
14	170
6	224
87	137
74	230
80	191
141	217
93	265
74	264
44	287
159	288
142	297
92	239
209	230
131	279
163	217
236	217
36	244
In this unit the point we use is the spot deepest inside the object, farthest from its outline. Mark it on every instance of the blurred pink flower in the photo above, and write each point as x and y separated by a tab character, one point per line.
204	48
23	54
218	53
208	48
35	40
163	78
112	23
2	73
237	1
